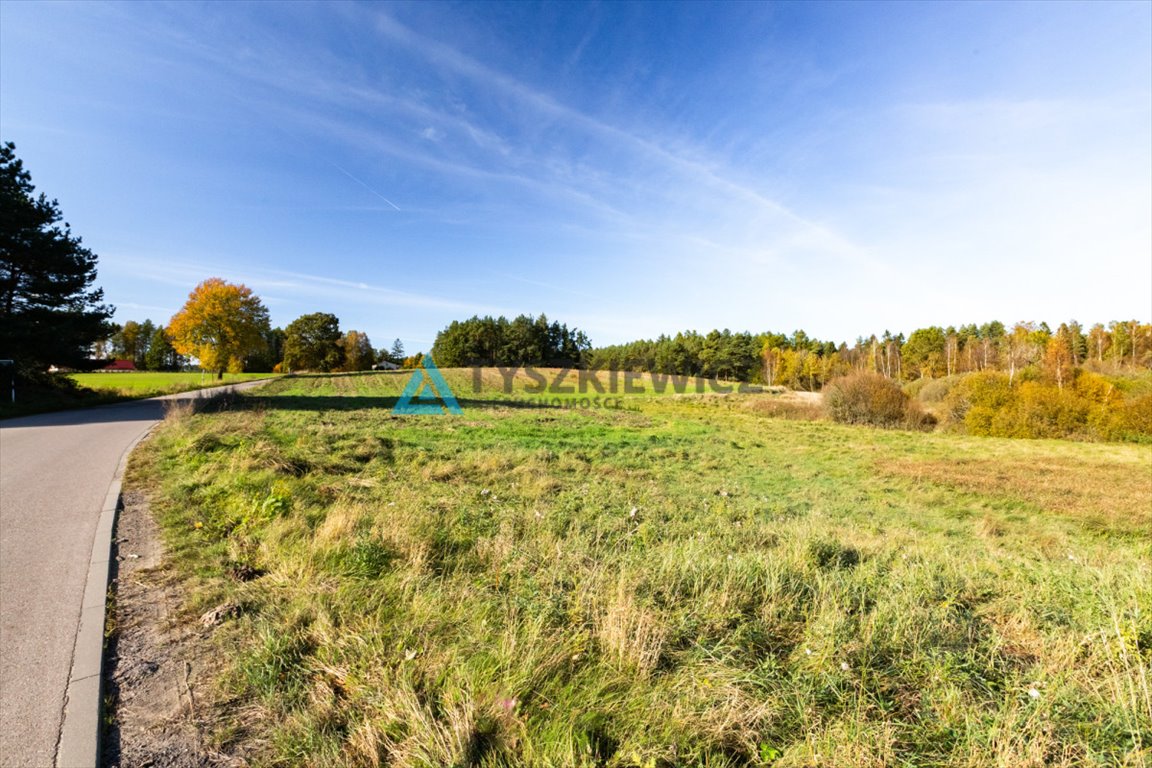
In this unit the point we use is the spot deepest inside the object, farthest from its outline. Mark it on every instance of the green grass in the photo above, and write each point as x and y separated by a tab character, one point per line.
55	392
153	383
682	581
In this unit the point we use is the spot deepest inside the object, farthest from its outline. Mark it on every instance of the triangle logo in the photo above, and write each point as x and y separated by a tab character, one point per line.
427	393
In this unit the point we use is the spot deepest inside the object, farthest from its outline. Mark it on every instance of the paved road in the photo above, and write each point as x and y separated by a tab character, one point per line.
55	470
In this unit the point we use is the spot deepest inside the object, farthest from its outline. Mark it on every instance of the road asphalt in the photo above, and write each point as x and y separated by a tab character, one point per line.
56	470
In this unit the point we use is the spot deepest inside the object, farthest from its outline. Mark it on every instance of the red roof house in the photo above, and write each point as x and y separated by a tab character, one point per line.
120	365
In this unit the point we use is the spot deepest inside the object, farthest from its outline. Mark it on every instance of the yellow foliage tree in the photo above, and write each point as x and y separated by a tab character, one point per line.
222	324
358	352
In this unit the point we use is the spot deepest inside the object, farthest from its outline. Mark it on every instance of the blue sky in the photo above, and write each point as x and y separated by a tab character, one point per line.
630	169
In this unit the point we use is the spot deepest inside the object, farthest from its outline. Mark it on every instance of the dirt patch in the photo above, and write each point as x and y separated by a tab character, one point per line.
153	663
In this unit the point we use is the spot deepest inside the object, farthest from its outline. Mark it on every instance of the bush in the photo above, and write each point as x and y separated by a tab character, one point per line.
976	400
872	399
1129	421
1090	408
1096	388
935	390
1046	411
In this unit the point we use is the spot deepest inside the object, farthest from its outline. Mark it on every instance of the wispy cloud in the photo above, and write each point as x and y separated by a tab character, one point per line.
401	164
297	285
370	189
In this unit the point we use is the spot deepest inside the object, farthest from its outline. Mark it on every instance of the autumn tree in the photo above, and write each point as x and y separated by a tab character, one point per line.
312	343
358	352
1058	356
1099	340
132	342
1078	342
951	350
222	324
772	355
1023	346
50	311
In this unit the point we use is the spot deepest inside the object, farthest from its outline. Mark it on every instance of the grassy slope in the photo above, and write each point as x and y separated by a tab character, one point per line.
680	582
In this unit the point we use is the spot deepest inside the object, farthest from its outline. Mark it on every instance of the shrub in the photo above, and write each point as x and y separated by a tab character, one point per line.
1130	420
935	390
1090	407
1046	411
1096	388
977	399
870	398
915	417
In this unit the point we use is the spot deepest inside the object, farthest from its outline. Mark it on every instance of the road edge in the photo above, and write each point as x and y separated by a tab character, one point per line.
80	728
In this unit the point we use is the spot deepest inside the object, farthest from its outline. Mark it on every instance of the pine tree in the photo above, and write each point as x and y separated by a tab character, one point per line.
50	313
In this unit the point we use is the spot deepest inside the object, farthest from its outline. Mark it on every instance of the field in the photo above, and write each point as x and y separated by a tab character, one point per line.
686	580
153	383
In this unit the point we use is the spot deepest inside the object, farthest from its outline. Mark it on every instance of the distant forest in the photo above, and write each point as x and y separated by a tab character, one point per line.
799	361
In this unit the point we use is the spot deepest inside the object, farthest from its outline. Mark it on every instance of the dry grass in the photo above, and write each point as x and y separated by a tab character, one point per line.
682	583
802	406
1112	495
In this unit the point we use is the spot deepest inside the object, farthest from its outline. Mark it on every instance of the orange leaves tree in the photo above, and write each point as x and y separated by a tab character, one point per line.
222	324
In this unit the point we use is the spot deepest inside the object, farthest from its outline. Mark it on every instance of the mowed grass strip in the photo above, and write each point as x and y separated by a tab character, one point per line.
679	582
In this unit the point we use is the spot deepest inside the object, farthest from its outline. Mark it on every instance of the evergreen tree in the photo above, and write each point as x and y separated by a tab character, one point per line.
49	310
161	355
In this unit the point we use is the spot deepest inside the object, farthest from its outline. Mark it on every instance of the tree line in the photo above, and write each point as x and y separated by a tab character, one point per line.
799	361
224	327
523	340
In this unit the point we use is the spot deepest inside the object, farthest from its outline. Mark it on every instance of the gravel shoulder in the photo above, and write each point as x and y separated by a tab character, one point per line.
154	660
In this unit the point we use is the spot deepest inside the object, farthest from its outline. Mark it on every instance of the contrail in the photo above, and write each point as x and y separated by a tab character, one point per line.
366	186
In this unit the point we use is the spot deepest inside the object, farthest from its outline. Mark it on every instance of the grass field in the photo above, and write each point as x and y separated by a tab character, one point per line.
85	390
682	581
152	383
